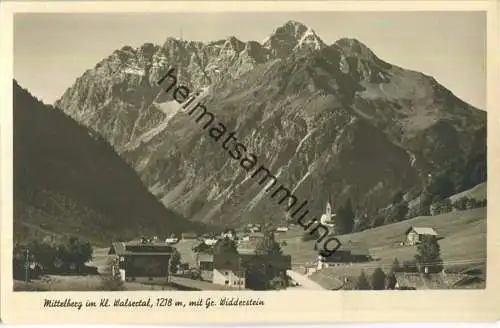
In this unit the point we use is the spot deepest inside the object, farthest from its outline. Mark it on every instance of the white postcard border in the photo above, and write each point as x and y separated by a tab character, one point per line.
294	306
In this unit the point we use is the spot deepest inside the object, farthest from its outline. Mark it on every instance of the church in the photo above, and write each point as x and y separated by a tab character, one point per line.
328	218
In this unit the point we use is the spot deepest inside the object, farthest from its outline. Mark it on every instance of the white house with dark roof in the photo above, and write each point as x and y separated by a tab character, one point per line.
414	234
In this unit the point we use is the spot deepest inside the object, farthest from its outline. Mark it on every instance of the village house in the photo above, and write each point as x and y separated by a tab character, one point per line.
228	270
172	239
282	229
142	259
229	233
242	271
211	241
347	253
413	235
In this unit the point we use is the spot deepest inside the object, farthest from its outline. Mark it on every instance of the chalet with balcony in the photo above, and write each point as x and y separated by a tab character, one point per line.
142	259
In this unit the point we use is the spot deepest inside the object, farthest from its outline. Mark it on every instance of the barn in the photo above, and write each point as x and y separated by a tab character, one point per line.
413	235
142	259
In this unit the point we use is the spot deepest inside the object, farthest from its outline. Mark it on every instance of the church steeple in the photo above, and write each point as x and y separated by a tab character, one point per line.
328	217
328	209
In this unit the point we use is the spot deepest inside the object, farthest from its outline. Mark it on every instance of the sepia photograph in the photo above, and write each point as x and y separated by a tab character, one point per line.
119	185
247	151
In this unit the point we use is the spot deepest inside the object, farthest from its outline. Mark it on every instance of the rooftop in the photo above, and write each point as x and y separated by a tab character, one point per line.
245	260
355	248
138	248
422	231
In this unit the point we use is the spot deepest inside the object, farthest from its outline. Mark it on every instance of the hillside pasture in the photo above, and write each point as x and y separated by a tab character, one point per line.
464	244
478	193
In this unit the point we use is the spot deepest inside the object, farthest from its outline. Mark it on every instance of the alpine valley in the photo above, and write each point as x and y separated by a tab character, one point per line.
331	121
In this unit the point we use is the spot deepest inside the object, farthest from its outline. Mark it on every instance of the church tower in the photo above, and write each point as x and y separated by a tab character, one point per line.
328	209
327	218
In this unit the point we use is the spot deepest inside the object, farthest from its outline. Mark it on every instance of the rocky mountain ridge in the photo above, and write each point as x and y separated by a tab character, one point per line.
331	121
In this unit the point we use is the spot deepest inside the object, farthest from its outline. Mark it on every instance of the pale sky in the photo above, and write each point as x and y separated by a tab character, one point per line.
52	50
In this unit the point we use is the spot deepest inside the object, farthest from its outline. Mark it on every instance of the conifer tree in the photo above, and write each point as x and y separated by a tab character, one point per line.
344	220
378	279
175	261
362	282
225	245
396	267
391	280
268	244
429	255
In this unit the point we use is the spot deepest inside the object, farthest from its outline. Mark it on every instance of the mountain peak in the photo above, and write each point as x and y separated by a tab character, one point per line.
291	28
291	36
293	25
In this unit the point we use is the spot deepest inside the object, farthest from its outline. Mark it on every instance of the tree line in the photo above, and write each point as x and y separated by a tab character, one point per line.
427	260
346	220
433	200
64	257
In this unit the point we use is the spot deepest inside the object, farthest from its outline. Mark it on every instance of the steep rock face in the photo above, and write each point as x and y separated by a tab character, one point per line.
68	180
330	121
291	37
